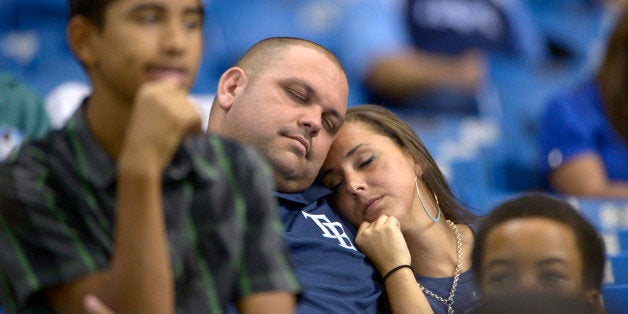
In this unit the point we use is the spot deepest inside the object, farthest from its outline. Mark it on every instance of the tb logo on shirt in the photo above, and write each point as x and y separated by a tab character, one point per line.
333	230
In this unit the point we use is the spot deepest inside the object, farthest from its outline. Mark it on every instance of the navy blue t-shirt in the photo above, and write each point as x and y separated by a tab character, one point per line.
453	26
335	276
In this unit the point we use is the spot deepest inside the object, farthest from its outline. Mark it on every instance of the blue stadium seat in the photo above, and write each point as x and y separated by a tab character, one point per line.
33	45
615	298
524	90
465	148
7	14
619	266
574	26
607	215
622	237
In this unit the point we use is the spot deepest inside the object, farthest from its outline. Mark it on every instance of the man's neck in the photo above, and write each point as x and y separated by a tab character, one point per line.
108	118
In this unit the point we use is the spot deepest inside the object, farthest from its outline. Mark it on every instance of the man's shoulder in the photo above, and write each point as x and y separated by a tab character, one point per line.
28	167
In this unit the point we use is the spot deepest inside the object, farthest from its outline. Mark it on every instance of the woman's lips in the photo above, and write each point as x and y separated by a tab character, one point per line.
371	205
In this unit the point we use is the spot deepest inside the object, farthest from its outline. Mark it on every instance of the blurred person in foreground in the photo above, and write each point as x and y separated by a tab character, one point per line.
129	201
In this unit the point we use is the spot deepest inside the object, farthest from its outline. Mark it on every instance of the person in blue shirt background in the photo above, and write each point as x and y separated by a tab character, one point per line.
357	32
444	60
584	132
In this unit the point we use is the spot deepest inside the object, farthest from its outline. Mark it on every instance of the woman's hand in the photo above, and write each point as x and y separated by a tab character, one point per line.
383	243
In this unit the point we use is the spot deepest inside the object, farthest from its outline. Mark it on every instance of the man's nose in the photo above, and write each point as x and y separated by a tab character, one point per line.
311	121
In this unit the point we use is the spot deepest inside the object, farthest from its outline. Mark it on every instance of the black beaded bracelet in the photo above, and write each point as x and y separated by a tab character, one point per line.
394	270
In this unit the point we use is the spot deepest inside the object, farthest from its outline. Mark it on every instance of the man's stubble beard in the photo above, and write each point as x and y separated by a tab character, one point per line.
292	173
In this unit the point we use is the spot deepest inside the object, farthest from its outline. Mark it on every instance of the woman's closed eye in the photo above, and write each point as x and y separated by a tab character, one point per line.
365	163
332	182
336	187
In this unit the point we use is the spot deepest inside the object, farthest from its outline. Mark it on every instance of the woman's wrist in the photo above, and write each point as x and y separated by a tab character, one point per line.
395	269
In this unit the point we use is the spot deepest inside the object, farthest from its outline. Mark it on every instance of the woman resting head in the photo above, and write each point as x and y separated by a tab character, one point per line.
540	243
386	182
368	127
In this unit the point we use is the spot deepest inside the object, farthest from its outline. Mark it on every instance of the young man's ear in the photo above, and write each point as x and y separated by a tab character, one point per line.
79	37
231	84
595	298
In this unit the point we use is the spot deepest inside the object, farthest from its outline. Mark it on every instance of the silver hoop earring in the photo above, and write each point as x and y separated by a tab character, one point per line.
416	185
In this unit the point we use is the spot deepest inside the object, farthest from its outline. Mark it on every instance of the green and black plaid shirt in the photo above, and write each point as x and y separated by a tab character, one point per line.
57	204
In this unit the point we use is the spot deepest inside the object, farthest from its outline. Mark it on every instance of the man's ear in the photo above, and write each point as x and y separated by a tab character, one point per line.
231	84
79	36
595	298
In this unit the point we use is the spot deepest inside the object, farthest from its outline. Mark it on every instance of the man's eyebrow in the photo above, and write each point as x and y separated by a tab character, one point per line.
552	260
196	10
146	7
158	7
499	262
305	85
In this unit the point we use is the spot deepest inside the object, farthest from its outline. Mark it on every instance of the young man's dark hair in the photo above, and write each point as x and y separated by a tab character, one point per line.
93	10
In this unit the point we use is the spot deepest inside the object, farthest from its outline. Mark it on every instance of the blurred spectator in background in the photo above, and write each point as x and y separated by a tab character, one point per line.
34	49
358	32
389	54
584	132
22	113
577	30
443	62
421	55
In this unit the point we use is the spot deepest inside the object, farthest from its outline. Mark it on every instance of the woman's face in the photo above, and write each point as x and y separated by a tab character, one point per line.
531	254
370	174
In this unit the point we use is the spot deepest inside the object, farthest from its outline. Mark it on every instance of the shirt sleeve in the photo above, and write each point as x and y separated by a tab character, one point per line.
565	132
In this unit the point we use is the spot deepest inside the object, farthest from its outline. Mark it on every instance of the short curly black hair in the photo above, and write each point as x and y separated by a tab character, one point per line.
541	205
94	10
